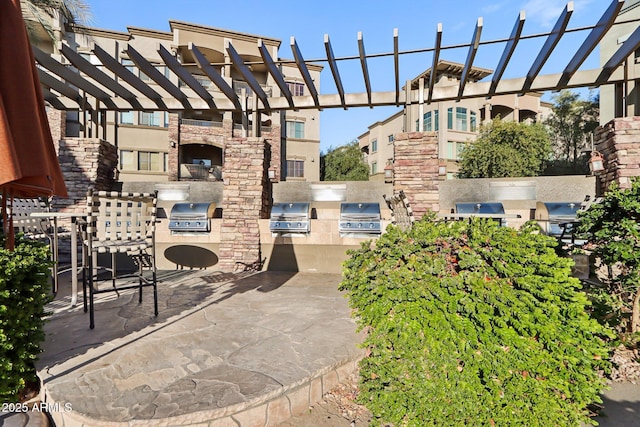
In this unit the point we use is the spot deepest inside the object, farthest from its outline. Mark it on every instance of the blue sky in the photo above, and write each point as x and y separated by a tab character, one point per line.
416	22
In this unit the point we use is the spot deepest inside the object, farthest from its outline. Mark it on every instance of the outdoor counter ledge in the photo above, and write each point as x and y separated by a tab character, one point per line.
226	349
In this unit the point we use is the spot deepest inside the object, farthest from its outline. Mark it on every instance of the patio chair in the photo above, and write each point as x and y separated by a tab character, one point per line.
119	223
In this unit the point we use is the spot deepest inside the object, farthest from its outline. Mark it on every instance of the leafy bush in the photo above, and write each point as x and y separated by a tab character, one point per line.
24	292
473	324
613	233
506	149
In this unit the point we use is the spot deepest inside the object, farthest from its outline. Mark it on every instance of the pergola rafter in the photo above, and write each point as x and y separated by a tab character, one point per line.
115	87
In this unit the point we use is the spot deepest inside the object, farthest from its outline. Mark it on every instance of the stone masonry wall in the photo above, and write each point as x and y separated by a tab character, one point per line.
619	143
85	163
415	170
57	123
243	202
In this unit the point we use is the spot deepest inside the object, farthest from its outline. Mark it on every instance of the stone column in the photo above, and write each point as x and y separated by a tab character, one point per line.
415	170
245	201
619	142
86	163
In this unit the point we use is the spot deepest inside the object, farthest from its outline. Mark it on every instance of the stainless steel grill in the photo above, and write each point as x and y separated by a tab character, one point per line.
480	208
557	218
290	218
191	217
359	218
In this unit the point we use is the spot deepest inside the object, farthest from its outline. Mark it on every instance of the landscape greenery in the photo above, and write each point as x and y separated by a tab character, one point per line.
612	230
470	323
506	149
24	292
344	163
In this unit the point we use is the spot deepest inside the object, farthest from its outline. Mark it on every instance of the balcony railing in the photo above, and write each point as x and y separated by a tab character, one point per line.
202	123
196	172
238	85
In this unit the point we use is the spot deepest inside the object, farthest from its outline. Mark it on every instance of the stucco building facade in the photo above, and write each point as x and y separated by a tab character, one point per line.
159	145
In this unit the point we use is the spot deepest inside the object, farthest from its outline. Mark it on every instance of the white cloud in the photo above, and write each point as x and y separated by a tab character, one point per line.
493	7
543	12
546	12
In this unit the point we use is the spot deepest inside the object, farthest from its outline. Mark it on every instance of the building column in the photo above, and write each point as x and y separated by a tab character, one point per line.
415	170
246	199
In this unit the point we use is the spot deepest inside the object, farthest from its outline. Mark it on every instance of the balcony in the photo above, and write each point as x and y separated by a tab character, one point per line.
201	123
196	172
238	85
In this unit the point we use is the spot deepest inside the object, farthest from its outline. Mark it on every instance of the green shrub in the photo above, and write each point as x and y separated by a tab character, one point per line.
24	291
473	324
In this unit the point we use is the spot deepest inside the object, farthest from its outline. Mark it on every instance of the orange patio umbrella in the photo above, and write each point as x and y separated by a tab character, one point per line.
28	162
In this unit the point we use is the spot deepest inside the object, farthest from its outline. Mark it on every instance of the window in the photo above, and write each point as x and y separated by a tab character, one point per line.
150	118
296	89
390	139
426	122
131	160
295	168
461	119
126	117
453	150
150	161
295	129
430	121
128	64
374	145
436	120
127	160
473	122
374	168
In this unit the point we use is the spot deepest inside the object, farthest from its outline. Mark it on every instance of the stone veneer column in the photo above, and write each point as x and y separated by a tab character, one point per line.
244	201
619	142
85	163
415	170
57	124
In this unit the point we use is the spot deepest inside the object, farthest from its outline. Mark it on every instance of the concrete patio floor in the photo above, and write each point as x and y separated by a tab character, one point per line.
226	350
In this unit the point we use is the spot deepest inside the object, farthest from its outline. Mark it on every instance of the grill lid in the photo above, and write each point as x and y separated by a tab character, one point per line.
290	210
565	209
480	208
290	218
191	216
362	211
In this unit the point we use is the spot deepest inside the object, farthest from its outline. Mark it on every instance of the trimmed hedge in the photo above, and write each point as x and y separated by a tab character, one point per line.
473	324
24	291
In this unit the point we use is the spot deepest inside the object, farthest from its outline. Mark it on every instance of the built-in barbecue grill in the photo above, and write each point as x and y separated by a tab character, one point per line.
290	218
359	219
191	217
480	208
557	218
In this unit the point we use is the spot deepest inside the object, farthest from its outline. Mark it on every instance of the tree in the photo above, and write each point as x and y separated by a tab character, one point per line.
506	149
613	230
344	163
39	14
571	123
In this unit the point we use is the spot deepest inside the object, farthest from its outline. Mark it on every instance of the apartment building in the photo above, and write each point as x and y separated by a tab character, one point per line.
621	99
455	123
189	144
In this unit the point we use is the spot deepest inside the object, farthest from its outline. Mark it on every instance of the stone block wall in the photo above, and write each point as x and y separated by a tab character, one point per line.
85	163
416	170
244	201
57	123
619	143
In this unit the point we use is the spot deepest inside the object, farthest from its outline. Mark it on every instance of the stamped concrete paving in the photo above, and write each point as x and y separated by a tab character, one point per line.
226	350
